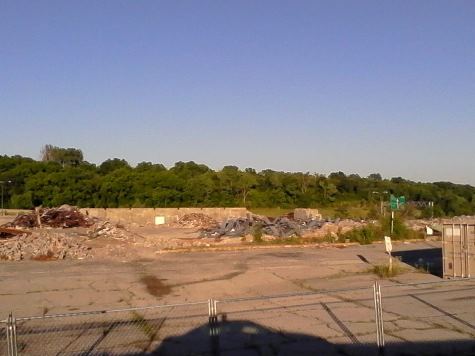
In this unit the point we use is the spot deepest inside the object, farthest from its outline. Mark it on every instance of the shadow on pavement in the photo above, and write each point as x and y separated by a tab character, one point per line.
248	338
429	260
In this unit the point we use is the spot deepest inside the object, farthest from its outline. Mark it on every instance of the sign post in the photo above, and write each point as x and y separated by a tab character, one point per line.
389	248
392	222
395	203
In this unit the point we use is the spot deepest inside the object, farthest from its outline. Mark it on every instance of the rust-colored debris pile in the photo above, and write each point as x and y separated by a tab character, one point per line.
38	235
65	216
6	232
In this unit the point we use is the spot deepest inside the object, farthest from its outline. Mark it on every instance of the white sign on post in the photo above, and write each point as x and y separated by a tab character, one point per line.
387	242
389	248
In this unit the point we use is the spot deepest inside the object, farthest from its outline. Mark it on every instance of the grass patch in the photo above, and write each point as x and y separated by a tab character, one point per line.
344	211
286	241
364	236
296	240
383	271
271	212
256	232
374	232
334	211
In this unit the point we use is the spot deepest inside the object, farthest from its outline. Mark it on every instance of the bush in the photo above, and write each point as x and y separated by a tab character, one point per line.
256	232
374	232
383	270
400	231
364	235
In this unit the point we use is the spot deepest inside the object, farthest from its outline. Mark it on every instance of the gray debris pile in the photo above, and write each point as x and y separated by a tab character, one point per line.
44	245
107	229
197	220
279	227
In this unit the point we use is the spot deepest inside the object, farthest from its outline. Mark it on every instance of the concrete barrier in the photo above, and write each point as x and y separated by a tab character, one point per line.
147	216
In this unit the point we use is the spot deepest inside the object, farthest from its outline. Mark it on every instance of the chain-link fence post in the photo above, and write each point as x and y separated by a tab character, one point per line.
11	336
378	310
213	326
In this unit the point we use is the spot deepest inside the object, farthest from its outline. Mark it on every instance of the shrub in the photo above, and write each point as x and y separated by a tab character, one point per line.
401	231
256	232
383	270
374	232
364	235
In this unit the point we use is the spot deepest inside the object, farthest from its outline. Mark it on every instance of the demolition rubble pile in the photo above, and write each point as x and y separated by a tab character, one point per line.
43	245
283	227
46	235
65	216
197	220
436	224
107	229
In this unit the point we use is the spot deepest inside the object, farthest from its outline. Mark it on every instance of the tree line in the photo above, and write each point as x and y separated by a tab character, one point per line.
63	177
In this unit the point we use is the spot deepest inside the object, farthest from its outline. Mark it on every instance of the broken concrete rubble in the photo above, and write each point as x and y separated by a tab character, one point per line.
65	232
197	220
105	228
44	245
306	214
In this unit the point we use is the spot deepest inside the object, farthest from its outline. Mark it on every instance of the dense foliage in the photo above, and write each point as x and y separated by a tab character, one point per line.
372	232
70	180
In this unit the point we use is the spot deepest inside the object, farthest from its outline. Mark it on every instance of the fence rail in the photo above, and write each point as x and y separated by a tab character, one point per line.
370	320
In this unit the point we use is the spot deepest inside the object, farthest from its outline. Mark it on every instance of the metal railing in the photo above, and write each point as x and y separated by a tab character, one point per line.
366	320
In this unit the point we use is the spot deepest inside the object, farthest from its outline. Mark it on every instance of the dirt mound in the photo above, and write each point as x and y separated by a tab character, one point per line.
197	220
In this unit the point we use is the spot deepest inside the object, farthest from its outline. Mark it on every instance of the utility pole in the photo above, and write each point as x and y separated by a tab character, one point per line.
2	183
381	205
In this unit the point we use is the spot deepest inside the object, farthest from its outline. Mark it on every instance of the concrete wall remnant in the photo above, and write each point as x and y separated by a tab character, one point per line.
307	214
147	216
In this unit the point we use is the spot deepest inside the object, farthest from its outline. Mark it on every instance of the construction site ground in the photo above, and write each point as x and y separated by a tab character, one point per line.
142	266
38	287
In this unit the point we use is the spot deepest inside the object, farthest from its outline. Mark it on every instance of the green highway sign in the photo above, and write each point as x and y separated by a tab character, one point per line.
396	202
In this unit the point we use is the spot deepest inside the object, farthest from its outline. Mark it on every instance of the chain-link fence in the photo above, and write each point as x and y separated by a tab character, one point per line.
112	332
436	318
310	323
395	319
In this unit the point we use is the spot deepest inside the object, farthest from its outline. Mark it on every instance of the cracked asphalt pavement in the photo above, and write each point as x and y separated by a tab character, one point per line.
339	309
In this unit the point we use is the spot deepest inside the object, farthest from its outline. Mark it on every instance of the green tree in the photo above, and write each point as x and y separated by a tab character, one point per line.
64	156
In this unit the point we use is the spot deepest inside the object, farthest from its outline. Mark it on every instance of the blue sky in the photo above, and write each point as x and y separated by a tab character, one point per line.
318	86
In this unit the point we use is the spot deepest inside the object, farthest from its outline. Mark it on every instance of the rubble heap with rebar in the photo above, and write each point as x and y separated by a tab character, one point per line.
279	227
65	216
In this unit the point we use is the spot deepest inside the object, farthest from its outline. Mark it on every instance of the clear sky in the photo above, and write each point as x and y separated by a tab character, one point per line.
318	86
